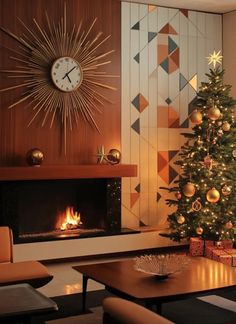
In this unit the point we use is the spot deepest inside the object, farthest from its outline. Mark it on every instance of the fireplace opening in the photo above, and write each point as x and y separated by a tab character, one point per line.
42	210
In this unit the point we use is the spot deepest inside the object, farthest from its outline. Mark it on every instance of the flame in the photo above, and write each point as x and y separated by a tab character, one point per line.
70	220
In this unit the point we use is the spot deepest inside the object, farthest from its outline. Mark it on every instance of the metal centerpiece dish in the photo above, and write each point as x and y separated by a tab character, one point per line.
161	265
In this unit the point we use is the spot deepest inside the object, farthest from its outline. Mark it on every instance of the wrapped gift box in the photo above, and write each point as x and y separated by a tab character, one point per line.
217	253
196	247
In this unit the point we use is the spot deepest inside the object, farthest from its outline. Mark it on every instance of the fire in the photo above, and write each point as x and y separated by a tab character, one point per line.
71	219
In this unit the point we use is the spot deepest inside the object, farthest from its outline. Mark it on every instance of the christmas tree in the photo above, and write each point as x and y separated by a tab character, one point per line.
205	193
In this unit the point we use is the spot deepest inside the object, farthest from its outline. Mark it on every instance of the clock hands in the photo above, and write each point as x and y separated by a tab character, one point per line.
67	74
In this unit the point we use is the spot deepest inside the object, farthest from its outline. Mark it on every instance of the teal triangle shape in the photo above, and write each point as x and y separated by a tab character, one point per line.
151	35
172	154
165	65
136	102
171	45
136	126
137	58
136	26
182	81
172	174
185	124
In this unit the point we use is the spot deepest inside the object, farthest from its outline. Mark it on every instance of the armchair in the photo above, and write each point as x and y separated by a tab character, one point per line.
31	272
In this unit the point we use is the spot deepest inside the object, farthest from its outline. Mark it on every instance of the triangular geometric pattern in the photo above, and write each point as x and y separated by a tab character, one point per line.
151	8
165	65
165	170
137	58
173	118
184	12
168	29
140	102
136	126
141	223
134	196
137	188
136	26
151	35
158	196
171	45
193	82
182	82
162	53
185	124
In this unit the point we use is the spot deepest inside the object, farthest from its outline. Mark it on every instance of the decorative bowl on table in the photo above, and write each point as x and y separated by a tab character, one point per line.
161	265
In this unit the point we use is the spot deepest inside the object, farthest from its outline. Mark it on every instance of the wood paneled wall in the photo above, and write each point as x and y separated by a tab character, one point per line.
82	142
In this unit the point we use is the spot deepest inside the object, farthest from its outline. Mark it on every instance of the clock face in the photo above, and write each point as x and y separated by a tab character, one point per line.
66	74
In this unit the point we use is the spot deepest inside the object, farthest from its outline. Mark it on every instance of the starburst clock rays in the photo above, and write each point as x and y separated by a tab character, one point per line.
60	73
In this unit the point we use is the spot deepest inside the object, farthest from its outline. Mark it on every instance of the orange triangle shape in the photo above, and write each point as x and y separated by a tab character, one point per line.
151	7
184	12
175	56
162	51
143	103
172	66
172	30
173	118
133	198
163	160
164	174
165	29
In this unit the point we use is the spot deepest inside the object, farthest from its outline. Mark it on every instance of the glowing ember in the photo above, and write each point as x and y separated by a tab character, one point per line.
71	219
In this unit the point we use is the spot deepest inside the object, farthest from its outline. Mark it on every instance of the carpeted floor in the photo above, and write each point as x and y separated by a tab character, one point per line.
186	311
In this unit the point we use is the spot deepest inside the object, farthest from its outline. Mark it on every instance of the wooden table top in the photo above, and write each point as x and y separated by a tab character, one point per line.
22	300
201	275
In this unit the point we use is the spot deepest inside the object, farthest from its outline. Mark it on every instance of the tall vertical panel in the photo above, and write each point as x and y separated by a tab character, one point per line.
164	54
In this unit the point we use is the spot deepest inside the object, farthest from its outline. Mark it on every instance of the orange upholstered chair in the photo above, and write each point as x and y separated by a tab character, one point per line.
31	272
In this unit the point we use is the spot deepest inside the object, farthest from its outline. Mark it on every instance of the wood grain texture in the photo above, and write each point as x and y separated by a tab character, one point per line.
82	142
68	172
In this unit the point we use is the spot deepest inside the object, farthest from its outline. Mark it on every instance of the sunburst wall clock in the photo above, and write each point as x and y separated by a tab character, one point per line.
60	72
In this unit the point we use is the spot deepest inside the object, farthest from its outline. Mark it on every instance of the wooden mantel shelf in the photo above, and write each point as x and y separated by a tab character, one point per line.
67	172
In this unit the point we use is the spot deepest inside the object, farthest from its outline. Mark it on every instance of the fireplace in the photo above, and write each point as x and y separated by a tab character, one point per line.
39	210
36	201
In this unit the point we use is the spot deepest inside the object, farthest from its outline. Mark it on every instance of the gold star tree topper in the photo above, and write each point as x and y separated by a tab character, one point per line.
215	58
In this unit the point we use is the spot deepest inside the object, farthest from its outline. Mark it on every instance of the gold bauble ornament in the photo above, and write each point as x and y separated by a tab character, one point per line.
213	195
197	205
226	126
114	156
199	230
196	117
226	190
214	113
189	189
229	225
180	219
34	157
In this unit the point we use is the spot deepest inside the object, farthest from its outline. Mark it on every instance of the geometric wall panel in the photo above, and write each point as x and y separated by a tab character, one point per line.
164	54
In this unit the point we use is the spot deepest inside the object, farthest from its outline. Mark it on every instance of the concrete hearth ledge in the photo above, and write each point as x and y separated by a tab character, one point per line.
91	246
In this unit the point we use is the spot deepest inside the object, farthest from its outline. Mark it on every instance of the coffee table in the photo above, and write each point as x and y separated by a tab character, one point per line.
19	302
120	278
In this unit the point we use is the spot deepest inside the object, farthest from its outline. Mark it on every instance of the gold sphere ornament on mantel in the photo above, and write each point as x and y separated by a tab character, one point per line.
34	157
196	117
213	195
226	126
113	156
199	230
229	225
214	113
189	189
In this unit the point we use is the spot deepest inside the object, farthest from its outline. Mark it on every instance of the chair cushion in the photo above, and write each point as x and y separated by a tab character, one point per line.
6	244
31	272
127	312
